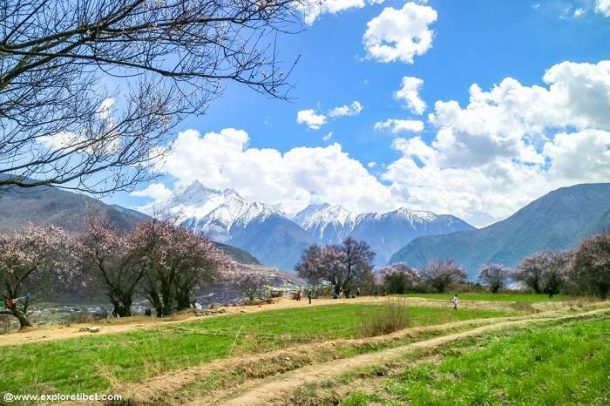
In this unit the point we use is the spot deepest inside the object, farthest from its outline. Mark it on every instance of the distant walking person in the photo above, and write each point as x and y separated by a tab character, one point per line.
455	301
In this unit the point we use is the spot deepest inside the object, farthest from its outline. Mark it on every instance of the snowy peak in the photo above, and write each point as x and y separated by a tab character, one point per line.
213	212
412	216
193	194
322	215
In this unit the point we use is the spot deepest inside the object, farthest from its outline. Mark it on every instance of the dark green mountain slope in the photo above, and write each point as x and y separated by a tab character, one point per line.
558	220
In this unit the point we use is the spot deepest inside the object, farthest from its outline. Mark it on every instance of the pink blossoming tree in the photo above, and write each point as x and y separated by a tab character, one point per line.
31	259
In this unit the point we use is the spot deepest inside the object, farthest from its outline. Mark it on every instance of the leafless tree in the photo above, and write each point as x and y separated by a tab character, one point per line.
440	275
495	276
253	286
91	89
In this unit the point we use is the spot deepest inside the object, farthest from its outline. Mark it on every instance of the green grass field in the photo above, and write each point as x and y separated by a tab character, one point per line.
561	364
492	297
94	363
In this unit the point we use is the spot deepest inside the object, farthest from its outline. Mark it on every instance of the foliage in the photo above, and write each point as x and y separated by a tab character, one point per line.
389	317
176	262
30	261
399	278
543	272
440	275
342	265
110	259
590	266
494	276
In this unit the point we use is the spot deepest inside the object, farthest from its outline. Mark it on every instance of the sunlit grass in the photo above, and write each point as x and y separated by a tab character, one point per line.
94	363
493	297
552	365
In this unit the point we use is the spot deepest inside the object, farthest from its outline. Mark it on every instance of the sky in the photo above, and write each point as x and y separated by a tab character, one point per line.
472	108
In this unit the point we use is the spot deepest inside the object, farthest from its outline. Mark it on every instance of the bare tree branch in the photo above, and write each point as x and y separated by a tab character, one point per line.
91	89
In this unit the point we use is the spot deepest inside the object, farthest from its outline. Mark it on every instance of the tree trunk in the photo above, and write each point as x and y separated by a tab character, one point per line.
23	320
183	299
125	310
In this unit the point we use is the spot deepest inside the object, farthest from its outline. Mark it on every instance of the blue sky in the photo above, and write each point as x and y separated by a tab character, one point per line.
531	124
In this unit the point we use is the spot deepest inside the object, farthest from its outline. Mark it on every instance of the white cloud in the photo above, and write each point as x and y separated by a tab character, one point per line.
292	179
509	145
328	136
352	109
396	126
400	34
156	191
505	147
315	120
311	119
313	9
409	94
603	7
511	120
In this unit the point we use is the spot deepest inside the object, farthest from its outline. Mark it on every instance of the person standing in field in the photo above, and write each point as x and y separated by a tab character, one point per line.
455	301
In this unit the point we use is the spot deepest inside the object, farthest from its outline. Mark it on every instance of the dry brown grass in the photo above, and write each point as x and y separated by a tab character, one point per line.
391	316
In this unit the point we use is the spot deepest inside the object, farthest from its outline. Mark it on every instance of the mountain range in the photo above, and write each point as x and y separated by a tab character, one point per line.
256	233
558	220
385	232
278	239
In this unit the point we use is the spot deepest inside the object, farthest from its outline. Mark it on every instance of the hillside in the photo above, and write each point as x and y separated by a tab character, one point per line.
239	255
47	205
556	221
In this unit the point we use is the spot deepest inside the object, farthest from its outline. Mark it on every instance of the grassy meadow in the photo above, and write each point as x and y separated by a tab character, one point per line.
94	363
553	364
492	297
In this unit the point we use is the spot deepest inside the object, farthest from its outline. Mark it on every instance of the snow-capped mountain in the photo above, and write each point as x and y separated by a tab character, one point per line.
215	213
330	224
279	240
385	232
227	217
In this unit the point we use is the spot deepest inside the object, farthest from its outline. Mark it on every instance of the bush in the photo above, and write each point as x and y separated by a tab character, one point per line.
389	317
399	278
590	267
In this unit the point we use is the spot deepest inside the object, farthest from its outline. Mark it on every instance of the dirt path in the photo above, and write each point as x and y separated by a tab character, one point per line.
116	326
277	390
162	387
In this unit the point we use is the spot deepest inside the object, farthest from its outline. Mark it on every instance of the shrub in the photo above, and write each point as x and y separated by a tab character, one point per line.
391	316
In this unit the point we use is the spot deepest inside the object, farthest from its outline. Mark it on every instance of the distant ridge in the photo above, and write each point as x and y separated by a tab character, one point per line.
556	221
